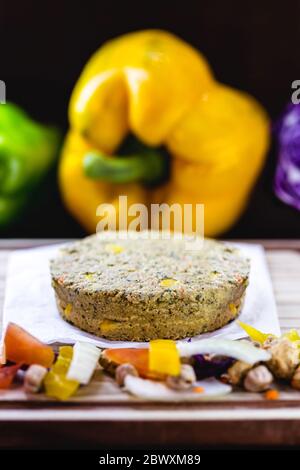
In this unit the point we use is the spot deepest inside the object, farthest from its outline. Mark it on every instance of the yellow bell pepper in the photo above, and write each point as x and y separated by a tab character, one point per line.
253	333
164	357
56	384
156	87
292	335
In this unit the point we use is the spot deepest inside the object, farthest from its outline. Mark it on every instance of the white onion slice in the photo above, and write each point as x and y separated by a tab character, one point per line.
84	361
242	350
158	391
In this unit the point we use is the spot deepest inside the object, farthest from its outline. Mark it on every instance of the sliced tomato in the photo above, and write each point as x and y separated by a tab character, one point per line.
7	374
139	358
21	346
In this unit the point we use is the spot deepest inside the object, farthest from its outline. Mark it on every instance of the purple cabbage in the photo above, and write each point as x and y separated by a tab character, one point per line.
211	366
287	177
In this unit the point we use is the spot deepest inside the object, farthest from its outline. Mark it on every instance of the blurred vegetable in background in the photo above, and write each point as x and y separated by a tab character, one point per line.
158	88
27	151
287	178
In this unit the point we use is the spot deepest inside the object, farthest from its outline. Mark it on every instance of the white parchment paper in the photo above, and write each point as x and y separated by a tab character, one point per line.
29	300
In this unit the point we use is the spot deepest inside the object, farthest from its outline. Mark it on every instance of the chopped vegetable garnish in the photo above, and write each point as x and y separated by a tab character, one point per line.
56	384
21	346
158	391
139	358
84	361
198	389
7	374
63	360
292	335
271	394
212	366
253	333
164	357
34	377
243	350
2	353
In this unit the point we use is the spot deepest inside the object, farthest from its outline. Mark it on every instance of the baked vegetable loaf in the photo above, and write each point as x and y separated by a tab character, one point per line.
144	289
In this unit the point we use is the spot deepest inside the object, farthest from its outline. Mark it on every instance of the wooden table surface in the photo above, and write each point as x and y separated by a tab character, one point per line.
122	424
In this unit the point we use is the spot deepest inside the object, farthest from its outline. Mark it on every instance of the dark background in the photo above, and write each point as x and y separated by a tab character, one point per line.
250	45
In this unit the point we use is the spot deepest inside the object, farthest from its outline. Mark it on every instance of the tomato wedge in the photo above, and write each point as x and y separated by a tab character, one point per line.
7	374
139	358
21	346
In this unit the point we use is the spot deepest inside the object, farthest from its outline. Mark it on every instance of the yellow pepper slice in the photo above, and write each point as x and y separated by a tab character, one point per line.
257	335
292	335
164	357
253	333
56	384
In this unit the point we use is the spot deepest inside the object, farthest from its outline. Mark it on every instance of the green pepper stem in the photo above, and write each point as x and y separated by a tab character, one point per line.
148	167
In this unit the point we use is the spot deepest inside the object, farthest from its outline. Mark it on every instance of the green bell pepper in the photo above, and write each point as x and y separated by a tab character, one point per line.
27	151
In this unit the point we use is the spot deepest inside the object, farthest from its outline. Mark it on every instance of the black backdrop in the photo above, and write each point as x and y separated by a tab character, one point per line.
252	45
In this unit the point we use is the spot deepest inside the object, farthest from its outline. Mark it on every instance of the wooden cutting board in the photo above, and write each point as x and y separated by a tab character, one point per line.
101	414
